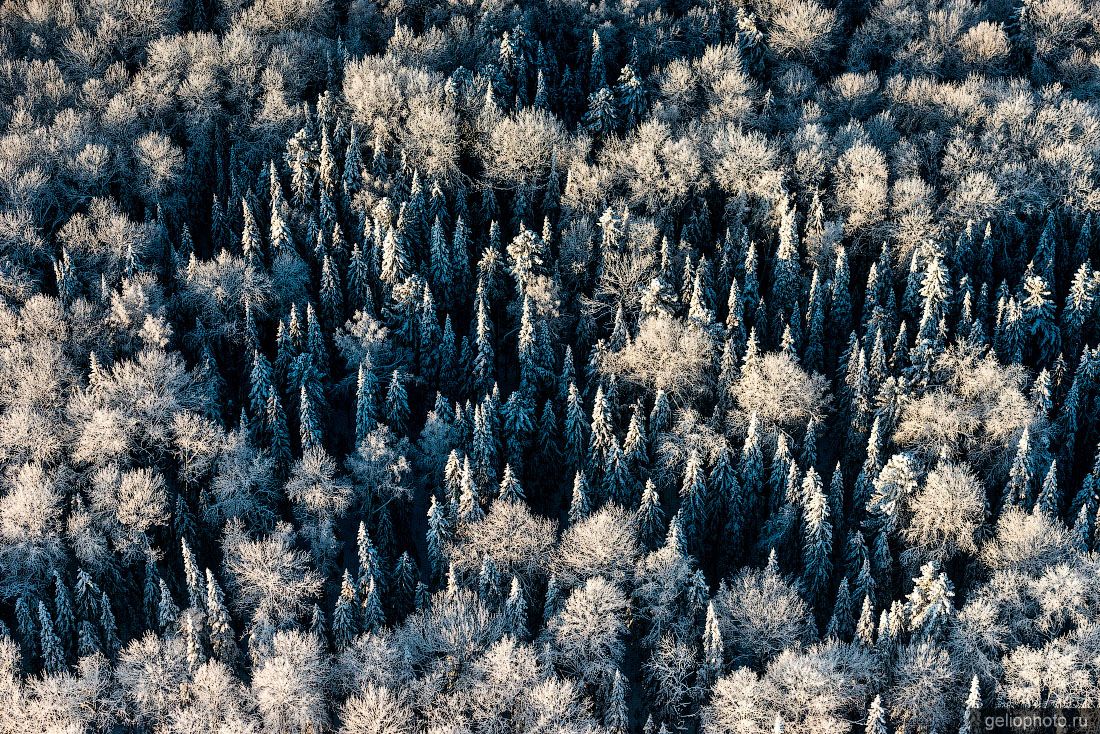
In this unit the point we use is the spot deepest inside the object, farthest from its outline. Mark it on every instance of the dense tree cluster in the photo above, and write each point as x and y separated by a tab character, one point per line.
719	366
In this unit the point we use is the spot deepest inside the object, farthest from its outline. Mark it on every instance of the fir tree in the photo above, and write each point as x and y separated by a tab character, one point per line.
693	493
111	643
222	637
971	721
404	585
53	654
515	611
597	69
366	419
64	617
374	617
510	488
167	610
87	641
261	387
876	718
1018	489
576	428
397	404
309	426
841	622
651	518
193	576
616	715
713	649
817	536
438	534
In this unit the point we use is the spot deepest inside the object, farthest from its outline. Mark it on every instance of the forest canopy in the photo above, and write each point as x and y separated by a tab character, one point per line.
529	367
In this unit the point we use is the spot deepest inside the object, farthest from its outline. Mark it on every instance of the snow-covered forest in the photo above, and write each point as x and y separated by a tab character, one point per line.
546	367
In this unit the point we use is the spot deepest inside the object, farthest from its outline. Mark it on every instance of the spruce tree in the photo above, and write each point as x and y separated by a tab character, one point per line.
515	611
374	618
580	505
972	709
693	495
616	715
510	489
876	718
397	404
223	639
308	424
64	617
111	643
87	640
53	654
713	649
817	536
193	576
1017	491
439	530
576	428
167	610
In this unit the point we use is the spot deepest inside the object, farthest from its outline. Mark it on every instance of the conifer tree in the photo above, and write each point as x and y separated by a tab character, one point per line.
751	469
660	417
193	576
1037	313
576	428
366	419
151	591
223	641
251	244
111	643
280	435
510	488
53	654
1050	497
397	404
374	617
1018	489
713	649
841	622
650	516
469	505
876	718
840	298
971	722
597	69
484	359
345	622
602	433
785	285
261	385
602	117
167	610
87	641
332	300
616	716
580	505
64	617
631	94
817	536
617	481
515	611
404	585
370	562
929	607
437	536
309	426
693	494
865	627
